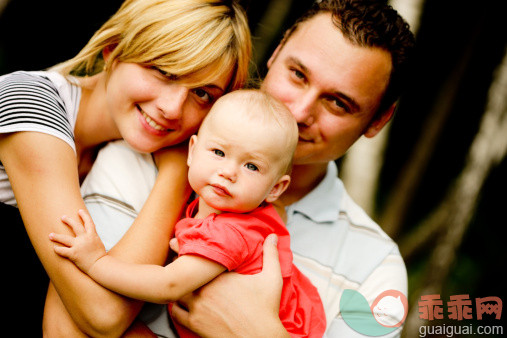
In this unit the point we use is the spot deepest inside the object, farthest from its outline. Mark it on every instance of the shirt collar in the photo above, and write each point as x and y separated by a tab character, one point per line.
322	204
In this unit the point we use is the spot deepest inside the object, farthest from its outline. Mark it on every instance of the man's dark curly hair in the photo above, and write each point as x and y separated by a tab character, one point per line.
371	23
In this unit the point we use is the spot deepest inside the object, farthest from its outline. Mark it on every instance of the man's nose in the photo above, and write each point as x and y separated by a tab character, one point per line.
303	109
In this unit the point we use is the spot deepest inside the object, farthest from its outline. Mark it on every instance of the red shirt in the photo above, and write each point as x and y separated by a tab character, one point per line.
235	241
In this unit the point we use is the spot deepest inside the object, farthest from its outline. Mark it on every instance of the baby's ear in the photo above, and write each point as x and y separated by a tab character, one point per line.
191	144
280	186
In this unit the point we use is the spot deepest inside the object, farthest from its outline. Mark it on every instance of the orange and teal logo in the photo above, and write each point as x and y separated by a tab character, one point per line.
374	320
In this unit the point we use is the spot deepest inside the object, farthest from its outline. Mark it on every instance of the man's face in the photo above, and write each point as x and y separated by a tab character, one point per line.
332	87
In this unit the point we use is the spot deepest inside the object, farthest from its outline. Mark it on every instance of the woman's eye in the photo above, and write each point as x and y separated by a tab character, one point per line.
203	95
218	152
155	68
251	166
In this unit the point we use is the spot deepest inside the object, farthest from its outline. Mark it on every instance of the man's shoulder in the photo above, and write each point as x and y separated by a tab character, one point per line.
349	244
358	219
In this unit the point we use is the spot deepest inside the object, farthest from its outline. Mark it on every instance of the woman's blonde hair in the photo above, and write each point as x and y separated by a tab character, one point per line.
180	37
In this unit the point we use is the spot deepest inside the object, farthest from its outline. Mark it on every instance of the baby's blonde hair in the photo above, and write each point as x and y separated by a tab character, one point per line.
180	37
267	112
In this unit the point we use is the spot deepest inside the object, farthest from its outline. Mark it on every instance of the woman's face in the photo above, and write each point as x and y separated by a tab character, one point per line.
152	111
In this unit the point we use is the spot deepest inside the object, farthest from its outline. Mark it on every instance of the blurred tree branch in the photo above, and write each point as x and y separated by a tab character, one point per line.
453	216
403	191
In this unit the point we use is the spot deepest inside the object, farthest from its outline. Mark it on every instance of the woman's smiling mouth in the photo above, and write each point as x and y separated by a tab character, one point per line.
152	123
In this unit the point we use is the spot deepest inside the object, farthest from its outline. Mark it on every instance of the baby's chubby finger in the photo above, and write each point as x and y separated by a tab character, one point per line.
76	226
65	240
63	251
87	220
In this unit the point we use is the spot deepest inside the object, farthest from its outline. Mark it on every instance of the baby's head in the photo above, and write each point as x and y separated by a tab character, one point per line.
243	152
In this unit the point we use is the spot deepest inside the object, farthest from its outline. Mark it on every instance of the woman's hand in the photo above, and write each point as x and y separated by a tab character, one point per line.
234	304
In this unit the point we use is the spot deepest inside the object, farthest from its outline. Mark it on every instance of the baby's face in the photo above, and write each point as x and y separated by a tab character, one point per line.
234	164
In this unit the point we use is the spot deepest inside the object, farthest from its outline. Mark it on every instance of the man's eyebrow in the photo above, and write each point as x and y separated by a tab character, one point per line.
355	106
298	62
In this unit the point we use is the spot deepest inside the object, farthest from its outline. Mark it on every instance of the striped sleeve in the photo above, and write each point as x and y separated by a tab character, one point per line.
30	102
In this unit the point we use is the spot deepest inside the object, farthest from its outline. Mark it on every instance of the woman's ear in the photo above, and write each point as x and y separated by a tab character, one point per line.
191	144
106	52
379	122
278	189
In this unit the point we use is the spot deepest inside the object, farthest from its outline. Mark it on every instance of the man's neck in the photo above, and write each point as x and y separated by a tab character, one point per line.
304	178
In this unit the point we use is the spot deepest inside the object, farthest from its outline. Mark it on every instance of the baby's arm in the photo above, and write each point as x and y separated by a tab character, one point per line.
146	282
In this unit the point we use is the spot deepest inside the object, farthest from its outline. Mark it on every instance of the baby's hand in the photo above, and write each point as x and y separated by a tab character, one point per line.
85	248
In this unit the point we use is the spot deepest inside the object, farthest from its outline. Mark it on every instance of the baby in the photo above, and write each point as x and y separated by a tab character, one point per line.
239	162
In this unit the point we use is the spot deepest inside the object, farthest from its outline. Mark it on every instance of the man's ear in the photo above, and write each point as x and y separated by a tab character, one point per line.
191	144
278	189
274	55
379	122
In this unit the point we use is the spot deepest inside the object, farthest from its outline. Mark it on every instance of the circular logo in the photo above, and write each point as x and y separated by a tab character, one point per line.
390	308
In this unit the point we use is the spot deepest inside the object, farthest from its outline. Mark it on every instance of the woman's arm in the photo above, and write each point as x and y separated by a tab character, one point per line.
147	282
62	325
43	173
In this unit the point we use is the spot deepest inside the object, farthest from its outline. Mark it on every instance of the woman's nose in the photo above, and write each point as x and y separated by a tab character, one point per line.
172	100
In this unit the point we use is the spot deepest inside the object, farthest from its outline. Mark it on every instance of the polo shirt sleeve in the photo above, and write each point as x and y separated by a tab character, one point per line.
218	241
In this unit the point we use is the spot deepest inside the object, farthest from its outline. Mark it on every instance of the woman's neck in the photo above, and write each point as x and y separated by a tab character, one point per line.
94	125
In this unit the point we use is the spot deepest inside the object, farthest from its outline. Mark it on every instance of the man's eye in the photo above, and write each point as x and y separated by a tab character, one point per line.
218	152
251	166
298	74
338	105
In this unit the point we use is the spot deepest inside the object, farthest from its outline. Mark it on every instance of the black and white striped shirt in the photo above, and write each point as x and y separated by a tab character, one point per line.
43	102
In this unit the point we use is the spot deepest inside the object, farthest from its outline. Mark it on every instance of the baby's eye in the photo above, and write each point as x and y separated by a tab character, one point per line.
251	166
218	152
